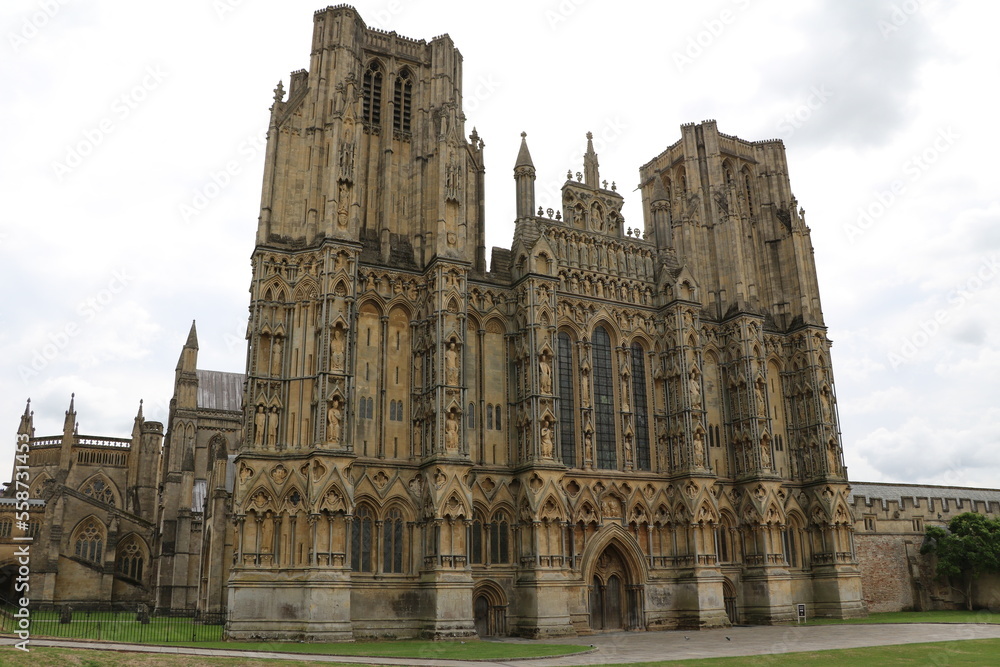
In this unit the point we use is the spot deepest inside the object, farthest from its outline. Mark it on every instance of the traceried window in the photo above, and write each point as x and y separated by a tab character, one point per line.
604	400
470	416
5	527
641	407
500	538
89	541
99	490
489	416
361	539
749	190
372	93
129	561
392	542
476	541
403	100
496	415
567	423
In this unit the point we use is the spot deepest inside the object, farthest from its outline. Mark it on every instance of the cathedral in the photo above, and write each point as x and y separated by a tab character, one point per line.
600	429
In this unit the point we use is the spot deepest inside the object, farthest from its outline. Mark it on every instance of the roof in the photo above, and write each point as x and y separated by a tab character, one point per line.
886	492
220	391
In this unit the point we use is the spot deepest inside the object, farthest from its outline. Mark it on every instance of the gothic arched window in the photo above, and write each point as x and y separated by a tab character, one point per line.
497	416
476	541
604	400
361	539
749	190
500	538
641	407
129	560
403	100
471	416
98	489
372	93
567	416
88	542
489	416
392	542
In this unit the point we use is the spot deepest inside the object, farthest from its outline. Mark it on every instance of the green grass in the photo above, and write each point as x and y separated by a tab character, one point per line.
981	616
966	653
122	627
408	648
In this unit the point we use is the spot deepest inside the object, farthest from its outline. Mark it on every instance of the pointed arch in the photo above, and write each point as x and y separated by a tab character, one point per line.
101	489
402	101
89	538
604	400
131	557
371	92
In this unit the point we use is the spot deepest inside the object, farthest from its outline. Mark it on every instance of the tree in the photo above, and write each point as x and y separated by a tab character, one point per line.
968	548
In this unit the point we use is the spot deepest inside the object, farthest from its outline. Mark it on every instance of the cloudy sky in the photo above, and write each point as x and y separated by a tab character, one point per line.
132	154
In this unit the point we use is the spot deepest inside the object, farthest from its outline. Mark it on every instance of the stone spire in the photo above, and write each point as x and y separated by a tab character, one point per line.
27	426
69	425
591	176
524	177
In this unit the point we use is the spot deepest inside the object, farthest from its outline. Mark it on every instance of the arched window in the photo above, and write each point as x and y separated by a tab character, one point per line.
371	407
372	92
476	541
129	559
604	400
98	489
641	407
470	417
497	421
749	190
89	541
361	540
489	416
567	413
392	542
500	538
402	97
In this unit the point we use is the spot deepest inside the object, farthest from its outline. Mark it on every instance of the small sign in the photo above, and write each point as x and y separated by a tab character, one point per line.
802	613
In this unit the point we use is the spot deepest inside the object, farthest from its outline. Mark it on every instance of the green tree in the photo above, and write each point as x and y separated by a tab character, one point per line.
968	548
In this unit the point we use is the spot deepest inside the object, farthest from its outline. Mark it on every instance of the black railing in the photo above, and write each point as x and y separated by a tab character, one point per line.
119	622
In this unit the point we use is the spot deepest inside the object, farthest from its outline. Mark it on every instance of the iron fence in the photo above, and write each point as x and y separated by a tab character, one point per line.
120	622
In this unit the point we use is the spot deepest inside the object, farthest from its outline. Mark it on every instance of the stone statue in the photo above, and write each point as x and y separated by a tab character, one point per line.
695	386
451	432
451	364
585	387
765	454
276	348
259	420
548	448
337	349
267	535
545	374
761	405
334	421
272	428
699	448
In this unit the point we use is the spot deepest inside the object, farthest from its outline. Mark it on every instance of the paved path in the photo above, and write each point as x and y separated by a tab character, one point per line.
623	647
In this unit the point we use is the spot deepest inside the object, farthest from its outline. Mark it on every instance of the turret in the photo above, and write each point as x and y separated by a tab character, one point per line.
524	177
185	376
591	175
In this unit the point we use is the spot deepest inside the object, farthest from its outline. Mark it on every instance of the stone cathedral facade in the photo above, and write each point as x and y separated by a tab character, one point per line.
603	429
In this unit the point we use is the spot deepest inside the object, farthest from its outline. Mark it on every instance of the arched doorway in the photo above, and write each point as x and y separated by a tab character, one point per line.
489	610
615	597
729	595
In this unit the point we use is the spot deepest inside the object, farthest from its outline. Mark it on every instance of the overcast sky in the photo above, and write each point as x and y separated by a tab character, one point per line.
132	154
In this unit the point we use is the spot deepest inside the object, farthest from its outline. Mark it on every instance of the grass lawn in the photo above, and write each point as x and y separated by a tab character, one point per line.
61	657
968	653
122	627
980	616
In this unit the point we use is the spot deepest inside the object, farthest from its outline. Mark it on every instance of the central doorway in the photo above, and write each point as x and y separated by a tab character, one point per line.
615	600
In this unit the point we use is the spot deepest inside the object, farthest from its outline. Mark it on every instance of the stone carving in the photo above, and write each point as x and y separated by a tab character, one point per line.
451	432
545	374
451	364
699	448
765	454
334	420
546	439
276	350
259	426
272	428
337	341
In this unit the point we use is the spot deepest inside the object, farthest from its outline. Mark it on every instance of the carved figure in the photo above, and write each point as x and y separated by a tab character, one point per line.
451	363
276	349
334	421
451	432
547	447
272	428
545	374
259	420
695	386
699	448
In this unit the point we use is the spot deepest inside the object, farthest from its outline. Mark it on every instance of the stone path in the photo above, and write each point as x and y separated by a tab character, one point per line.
624	647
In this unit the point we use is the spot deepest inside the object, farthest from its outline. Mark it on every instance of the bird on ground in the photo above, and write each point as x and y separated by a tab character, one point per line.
728	639
686	637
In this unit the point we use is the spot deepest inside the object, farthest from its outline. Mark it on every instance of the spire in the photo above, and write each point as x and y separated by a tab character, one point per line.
138	416
590	174
139	419
523	155
27	426
192	340
659	192
69	424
